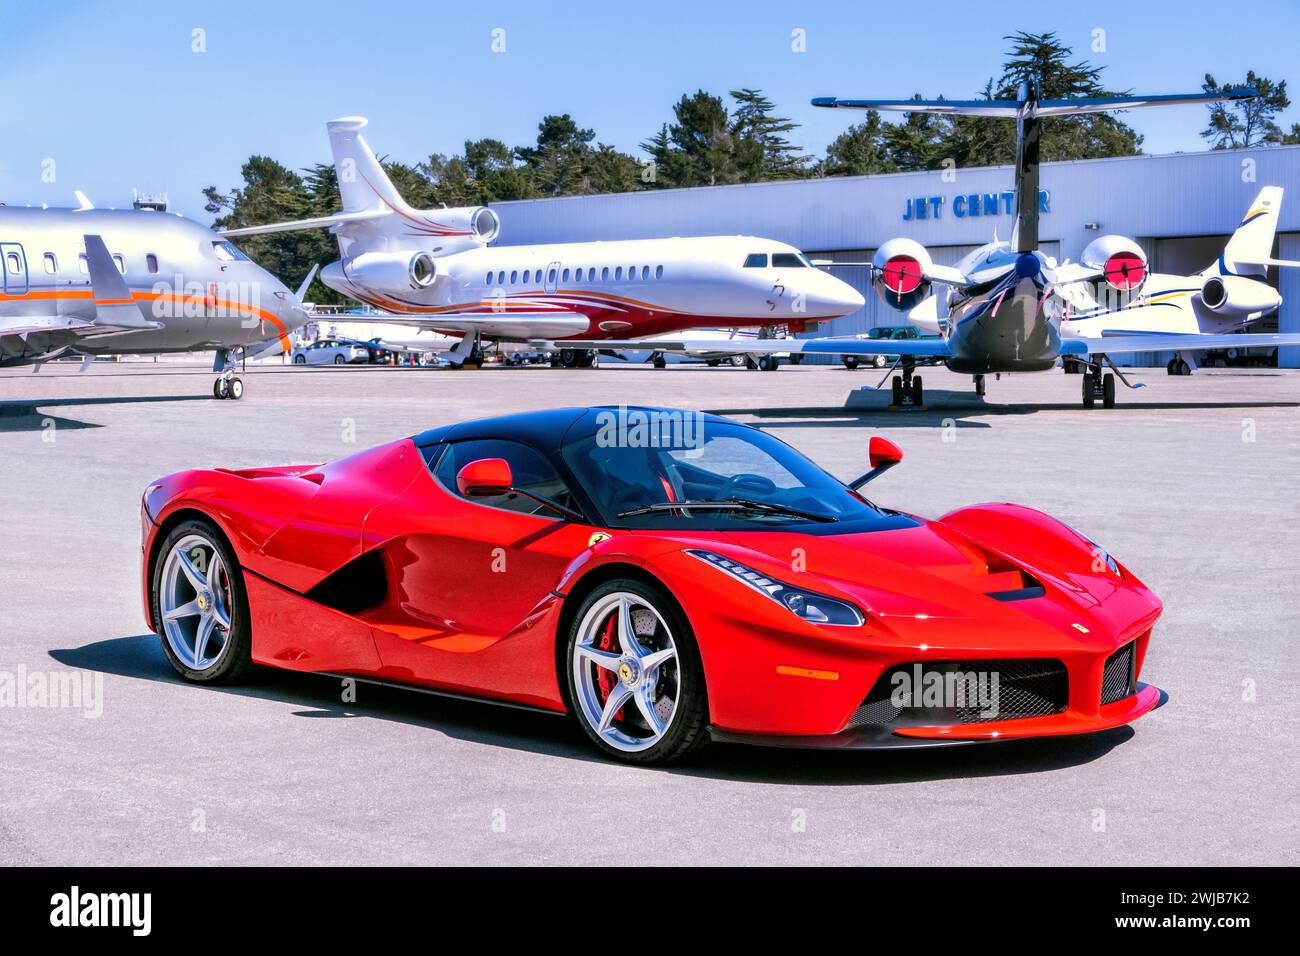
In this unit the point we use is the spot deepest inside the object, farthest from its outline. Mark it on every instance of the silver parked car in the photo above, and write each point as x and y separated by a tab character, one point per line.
330	352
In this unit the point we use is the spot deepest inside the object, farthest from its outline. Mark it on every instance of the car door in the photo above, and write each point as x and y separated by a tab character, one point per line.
472	578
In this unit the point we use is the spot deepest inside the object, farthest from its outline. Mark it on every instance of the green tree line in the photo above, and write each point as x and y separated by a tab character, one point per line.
711	141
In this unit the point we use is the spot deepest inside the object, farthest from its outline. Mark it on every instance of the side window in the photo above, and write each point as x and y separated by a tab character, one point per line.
51	264
152	262
529	470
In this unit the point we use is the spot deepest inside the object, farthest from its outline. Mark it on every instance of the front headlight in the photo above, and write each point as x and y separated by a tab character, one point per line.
808	605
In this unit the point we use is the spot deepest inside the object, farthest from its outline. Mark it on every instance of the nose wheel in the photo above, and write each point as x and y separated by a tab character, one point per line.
228	385
1098	385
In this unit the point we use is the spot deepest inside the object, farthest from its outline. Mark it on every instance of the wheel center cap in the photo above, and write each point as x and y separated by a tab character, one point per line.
629	672
203	601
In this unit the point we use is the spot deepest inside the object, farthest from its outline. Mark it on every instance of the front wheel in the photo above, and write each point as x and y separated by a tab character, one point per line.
200	608
635	681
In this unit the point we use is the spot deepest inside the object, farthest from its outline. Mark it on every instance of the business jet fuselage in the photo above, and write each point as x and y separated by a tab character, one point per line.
98	282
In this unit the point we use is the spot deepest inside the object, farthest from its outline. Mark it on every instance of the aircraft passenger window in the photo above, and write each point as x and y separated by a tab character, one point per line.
631	272
659	272
565	275
591	274
528	469
227	252
550	275
527	273
152	262
120	263
514	276
488	280
645	272
756	260
51	263
618	274
788	260
604	274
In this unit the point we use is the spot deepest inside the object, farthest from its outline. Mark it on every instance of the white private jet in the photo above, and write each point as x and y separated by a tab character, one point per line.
433	269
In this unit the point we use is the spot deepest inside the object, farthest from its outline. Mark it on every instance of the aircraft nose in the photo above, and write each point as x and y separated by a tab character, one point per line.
835	297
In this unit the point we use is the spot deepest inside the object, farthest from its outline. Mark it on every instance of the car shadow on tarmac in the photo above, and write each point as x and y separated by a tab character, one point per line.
140	657
29	416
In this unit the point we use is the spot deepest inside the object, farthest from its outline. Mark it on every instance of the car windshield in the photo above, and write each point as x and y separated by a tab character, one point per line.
725	476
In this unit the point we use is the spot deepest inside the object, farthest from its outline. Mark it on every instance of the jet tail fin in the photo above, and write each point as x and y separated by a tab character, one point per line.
1249	249
363	184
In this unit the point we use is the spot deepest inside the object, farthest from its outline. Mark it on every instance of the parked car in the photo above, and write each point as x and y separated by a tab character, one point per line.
331	352
887	332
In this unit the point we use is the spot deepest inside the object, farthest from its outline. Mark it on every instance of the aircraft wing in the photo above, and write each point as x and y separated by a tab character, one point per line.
823	346
320	222
110	310
507	325
1121	344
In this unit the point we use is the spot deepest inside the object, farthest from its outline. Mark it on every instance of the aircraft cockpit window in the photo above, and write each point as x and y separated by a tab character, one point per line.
756	260
789	260
226	252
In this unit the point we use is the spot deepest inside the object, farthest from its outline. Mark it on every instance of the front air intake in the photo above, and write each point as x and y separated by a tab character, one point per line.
1119	678
1025	687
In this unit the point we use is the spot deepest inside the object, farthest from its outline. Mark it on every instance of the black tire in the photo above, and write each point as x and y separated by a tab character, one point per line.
1108	390
713	363
219	389
851	362
235	389
896	391
918	391
300	360
1089	397
340	360
1172	367
688	731
235	659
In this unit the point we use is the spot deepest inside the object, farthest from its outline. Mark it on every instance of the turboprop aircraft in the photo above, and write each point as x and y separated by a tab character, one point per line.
88	282
433	269
1002	317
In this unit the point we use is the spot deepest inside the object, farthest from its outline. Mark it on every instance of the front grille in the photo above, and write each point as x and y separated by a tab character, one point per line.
1026	687
1119	679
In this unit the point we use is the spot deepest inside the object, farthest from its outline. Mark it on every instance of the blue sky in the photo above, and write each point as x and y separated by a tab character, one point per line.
114	94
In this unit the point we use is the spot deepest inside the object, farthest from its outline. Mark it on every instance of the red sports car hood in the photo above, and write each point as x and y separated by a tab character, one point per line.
910	580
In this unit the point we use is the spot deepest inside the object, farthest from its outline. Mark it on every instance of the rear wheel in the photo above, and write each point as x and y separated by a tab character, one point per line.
339	360
1108	390
200	608
300	360
850	361
635	680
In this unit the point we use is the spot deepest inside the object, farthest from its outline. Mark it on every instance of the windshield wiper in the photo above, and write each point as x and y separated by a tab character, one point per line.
728	504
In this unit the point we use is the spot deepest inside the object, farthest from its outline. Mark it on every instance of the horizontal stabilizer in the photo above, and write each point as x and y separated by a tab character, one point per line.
1010	109
320	222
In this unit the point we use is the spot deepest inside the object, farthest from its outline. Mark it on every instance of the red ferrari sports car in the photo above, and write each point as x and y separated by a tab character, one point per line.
666	577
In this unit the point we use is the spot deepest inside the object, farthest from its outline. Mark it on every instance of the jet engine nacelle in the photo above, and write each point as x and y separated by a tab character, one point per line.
1122	261
899	272
385	271
1238	296
465	224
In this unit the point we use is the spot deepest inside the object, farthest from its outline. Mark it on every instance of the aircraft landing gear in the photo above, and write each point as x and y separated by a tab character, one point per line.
577	358
979	385
768	363
228	384
659	361
1178	366
1098	385
907	390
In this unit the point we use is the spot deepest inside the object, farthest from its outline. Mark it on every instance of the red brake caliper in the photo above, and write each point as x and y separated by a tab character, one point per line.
605	679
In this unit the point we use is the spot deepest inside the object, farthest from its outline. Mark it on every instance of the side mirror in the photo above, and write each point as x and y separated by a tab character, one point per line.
882	451
484	478
883	455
